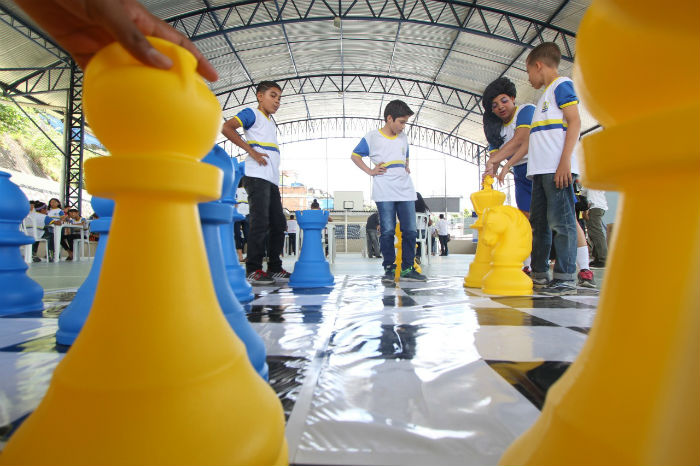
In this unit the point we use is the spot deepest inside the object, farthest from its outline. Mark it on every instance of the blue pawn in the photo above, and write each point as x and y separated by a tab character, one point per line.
18	292
312	269
234	270
213	215
74	315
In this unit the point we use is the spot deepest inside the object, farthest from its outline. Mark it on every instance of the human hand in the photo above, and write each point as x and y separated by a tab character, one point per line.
378	170
84	27
502	175
259	157
562	177
408	170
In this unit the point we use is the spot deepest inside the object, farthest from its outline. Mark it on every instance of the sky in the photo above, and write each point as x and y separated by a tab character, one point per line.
326	165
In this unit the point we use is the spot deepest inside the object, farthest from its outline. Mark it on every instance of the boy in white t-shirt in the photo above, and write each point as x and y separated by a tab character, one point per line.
261	182
392	188
554	132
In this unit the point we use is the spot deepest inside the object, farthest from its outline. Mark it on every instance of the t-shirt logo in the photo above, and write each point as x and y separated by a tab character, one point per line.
545	107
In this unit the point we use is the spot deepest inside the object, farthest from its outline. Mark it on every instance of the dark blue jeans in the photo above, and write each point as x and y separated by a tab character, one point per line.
406	211
552	209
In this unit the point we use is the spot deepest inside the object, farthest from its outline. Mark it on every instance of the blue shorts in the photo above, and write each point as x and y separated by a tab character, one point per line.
523	187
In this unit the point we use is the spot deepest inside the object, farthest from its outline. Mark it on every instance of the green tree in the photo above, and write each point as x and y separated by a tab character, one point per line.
11	119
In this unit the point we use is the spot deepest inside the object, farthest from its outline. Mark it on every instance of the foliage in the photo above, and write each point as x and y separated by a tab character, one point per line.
11	119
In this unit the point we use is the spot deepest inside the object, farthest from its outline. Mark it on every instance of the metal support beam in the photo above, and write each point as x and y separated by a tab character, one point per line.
338	127
489	22
74	139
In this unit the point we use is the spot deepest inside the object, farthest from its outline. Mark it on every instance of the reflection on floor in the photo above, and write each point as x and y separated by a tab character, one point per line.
417	374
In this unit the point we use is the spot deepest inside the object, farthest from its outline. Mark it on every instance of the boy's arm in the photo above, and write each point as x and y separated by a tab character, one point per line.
229	130
517	157
511	147
377	170
562	177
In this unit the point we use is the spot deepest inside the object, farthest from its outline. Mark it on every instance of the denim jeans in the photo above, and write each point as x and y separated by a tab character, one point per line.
552	209
406	211
267	221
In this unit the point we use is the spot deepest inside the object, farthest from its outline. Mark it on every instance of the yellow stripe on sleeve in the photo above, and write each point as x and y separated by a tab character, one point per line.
573	102
238	120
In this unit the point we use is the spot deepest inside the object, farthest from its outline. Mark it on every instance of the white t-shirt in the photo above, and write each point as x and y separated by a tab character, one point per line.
55	213
292	226
548	129
443	227
596	198
242	201
522	118
261	134
392	153
35	218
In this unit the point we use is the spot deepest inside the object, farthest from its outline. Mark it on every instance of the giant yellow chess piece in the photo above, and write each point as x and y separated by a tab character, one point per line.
631	397
509	235
399	249
482	200
156	375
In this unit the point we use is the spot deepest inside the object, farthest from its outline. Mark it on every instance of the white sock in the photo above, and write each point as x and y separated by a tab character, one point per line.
582	257
527	261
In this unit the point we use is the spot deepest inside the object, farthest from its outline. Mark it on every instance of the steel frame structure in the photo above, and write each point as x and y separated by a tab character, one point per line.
74	141
337	127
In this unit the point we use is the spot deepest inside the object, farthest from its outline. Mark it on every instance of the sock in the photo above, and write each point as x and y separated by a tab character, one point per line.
582	257
526	262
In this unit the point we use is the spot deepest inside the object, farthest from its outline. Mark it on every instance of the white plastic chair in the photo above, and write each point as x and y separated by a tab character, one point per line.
422	238
80	243
32	230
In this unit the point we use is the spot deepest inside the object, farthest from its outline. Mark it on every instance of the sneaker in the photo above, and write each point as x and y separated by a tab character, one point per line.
597	264
527	271
585	278
36	259
281	274
260	278
558	288
389	273
411	275
538	283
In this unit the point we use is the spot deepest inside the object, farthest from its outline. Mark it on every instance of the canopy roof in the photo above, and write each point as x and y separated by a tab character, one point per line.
337	60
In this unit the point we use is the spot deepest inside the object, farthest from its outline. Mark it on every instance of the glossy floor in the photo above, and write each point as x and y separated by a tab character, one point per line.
415	374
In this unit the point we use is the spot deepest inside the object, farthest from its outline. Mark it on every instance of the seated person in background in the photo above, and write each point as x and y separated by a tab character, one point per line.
55	210
68	235
37	217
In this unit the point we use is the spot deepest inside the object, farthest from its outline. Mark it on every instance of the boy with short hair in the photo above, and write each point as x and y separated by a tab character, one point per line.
392	188
554	132
261	182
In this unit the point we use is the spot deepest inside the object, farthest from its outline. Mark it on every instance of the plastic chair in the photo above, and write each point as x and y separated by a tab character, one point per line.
34	233
79	253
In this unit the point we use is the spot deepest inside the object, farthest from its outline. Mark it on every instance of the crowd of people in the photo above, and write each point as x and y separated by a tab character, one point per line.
534	141
42	219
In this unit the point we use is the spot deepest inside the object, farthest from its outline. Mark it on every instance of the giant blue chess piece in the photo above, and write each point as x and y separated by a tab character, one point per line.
234	270
19	292
74	315
312	269
213	215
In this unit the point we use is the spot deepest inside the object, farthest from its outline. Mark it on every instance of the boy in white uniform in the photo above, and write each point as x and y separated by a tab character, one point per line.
392	188
554	132
261	182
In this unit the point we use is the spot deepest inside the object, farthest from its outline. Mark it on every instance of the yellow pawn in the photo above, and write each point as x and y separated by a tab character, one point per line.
509	235
156	375
631	396
398	260
482	200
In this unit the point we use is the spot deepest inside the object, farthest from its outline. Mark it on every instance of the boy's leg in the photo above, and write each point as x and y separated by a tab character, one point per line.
246	230
541	233
406	211
562	219
278	223
387	222
259	203
596	231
